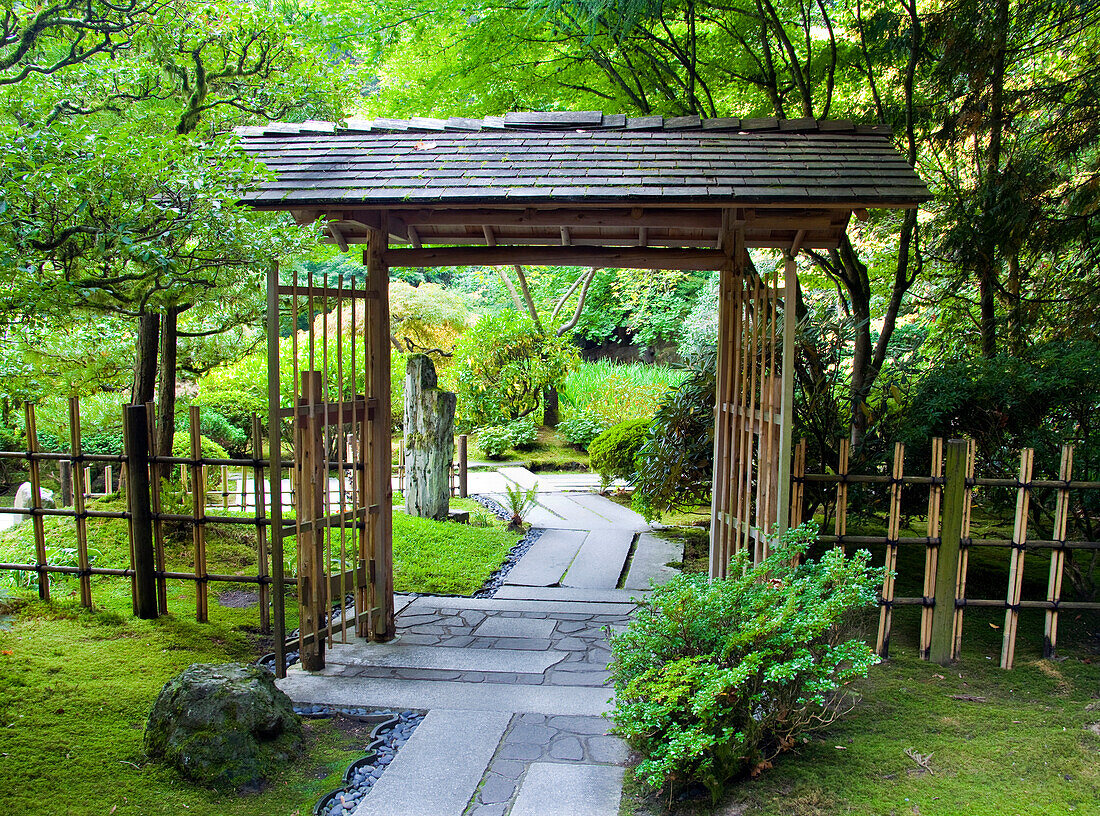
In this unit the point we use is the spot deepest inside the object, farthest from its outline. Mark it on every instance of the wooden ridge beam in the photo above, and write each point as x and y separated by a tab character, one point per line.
567	217
615	257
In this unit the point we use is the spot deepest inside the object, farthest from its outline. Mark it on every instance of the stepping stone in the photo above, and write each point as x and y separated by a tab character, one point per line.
430	603
570	513
550	789
539	515
438	770
520	475
651	554
410	656
600	560
613	512
547	560
515	627
566	595
365	692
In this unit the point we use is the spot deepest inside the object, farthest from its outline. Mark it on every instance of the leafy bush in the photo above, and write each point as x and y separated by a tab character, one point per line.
615	392
502	366
218	428
714	678
675	463
612	452
581	429
524	433
494	441
181	446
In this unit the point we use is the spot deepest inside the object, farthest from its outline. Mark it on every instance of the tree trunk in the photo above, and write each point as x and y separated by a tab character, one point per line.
429	440
145	358
550	407
166	402
987	301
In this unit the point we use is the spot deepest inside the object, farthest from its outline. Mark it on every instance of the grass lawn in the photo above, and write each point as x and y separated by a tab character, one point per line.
76	686
1029	743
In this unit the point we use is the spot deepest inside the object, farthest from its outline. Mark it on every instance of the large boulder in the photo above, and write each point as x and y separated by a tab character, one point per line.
223	725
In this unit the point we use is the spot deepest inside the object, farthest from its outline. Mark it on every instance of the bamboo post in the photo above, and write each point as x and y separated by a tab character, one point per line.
947	561
108	480
463	467
798	484
380	502
893	530
225	487
87	482
840	524
312	582
141	512
79	486
275	470
155	474
964	554
36	504
786	428
935	495
261	528
1016	562
65	478
198	527
723	418
1058	553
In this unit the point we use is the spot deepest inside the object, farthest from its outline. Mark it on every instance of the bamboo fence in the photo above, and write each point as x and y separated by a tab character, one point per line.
951	487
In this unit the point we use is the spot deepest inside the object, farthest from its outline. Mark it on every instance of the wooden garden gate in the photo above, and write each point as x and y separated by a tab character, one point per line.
328	399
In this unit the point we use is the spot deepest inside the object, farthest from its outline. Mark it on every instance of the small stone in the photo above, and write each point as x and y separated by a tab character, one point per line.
497	789
608	750
519	750
527	732
567	748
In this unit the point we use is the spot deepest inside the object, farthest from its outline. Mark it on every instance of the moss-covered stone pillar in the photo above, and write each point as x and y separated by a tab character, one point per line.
429	440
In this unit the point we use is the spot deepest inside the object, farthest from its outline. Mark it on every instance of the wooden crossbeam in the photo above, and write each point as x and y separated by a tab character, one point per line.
620	258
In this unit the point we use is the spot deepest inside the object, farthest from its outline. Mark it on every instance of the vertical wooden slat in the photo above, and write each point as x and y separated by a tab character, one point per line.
198	525
786	427
326	502
769	387
935	494
463	466
275	470
262	557
108	480
893	530
750	439
1016	563
798	486
840	524
964	554
312	486
155	473
340	464
1058	553
381	501
79	488
37	521
720	490
947	562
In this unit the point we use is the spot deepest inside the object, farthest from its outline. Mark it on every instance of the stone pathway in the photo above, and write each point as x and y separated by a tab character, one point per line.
515	686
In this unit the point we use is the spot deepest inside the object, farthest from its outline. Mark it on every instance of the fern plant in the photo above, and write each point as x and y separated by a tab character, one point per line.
519	502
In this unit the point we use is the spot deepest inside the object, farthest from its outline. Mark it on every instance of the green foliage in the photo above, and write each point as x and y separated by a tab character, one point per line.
524	433
502	366
580	429
181	446
613	452
715	677
520	500
675	463
494	440
613	392
216	427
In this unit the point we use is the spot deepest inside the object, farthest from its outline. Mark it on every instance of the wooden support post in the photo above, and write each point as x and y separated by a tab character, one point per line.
155	474
275	471
261	528
935	496
964	555
141	511
108	481
380	499
36	503
312	481
840	527
786	428
198	513
463	466
947	561
1058	554
1016	562
893	530
80	483
65	477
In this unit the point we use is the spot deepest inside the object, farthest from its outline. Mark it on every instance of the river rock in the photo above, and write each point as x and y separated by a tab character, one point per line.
223	725
24	499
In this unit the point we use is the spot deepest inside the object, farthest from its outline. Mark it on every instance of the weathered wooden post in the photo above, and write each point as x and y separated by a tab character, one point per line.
463	466
429	440
312	480
141	512
947	561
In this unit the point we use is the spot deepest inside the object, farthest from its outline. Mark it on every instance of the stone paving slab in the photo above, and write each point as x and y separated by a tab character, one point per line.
520	475
614	513
515	627
651	555
570	513
550	607
552	789
547	560
303	687
568	594
438	770
410	656
600	560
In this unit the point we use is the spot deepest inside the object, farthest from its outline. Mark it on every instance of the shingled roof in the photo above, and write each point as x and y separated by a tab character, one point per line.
585	157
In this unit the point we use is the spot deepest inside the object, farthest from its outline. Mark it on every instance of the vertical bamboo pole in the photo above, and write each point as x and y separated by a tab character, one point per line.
364	581
947	561
381	501
742	418
198	525
463	467
840	525
798	485
108	480
275	469
935	494
341	476
750	449
1058	553
261	528
893	530
786	428
719	528
79	488
326	503
1016	564
964	554
155	472
36	504
768	466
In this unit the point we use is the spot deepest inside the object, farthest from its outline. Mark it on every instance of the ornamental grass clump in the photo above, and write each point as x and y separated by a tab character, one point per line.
713	679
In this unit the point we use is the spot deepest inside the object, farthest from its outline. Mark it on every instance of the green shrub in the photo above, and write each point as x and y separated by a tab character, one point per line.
581	429
214	425
524	433
613	451
715	677
181	446
494	441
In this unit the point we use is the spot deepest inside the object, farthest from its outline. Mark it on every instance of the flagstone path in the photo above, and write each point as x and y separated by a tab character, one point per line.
515	686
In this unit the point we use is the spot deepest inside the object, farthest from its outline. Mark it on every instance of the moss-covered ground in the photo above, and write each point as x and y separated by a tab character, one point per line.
76	686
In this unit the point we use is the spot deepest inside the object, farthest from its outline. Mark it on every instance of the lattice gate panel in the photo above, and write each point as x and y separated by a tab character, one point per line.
753	411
